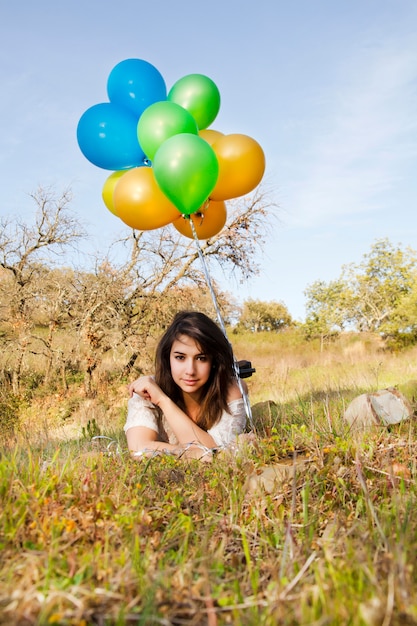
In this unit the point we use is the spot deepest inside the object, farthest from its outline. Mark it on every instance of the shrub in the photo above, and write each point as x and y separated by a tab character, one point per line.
9	412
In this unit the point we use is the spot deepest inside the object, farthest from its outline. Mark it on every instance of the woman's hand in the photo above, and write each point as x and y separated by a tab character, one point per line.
146	387
185	429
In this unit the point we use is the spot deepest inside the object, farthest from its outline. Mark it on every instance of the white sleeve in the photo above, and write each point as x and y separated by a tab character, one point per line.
231	423
140	412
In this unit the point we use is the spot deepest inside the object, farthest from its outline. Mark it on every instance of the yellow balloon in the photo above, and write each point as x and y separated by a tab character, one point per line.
241	166
208	221
140	203
108	189
210	135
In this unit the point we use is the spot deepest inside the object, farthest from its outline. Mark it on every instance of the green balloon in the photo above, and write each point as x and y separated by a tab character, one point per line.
186	170
199	95
160	121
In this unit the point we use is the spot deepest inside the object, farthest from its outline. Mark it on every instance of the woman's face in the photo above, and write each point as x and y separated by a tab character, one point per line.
190	368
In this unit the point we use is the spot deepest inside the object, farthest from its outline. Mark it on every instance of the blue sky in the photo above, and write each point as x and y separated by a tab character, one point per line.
328	88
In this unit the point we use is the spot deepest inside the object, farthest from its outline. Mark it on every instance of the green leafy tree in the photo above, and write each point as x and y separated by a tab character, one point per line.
379	284
326	309
376	295
400	329
258	315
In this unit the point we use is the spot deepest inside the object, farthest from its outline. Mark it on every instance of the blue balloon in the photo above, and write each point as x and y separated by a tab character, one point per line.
135	84
107	137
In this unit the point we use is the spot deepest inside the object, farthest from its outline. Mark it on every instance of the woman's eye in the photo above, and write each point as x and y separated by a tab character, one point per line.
202	358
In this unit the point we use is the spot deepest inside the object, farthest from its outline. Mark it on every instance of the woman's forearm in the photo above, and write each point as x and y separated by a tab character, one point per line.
182	451
184	428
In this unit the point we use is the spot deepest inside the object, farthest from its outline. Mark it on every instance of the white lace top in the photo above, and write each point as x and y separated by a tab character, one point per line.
141	412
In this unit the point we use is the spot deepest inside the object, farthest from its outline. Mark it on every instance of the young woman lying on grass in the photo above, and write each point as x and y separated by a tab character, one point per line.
193	405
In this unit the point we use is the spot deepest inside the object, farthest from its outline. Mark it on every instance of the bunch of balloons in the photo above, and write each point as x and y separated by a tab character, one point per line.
168	166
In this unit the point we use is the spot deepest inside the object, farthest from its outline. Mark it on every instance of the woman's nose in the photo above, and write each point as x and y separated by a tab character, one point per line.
190	366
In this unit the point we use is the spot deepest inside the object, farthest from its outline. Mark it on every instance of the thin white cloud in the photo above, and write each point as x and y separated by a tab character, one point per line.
368	134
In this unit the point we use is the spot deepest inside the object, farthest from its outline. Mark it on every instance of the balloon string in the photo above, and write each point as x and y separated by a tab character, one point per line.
245	397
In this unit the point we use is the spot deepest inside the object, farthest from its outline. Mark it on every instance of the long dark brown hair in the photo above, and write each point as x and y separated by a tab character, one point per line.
212	342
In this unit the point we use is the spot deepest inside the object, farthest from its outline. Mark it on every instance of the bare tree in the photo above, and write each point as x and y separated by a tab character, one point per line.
122	307
25	250
117	309
56	295
166	274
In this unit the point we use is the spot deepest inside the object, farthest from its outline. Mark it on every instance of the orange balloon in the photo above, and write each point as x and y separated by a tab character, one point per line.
108	190
208	221
140	203
210	135
241	166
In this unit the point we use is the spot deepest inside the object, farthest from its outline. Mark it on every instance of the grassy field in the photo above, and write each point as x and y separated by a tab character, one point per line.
308	524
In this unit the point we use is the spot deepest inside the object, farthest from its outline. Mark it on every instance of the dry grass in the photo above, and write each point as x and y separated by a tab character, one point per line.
89	536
